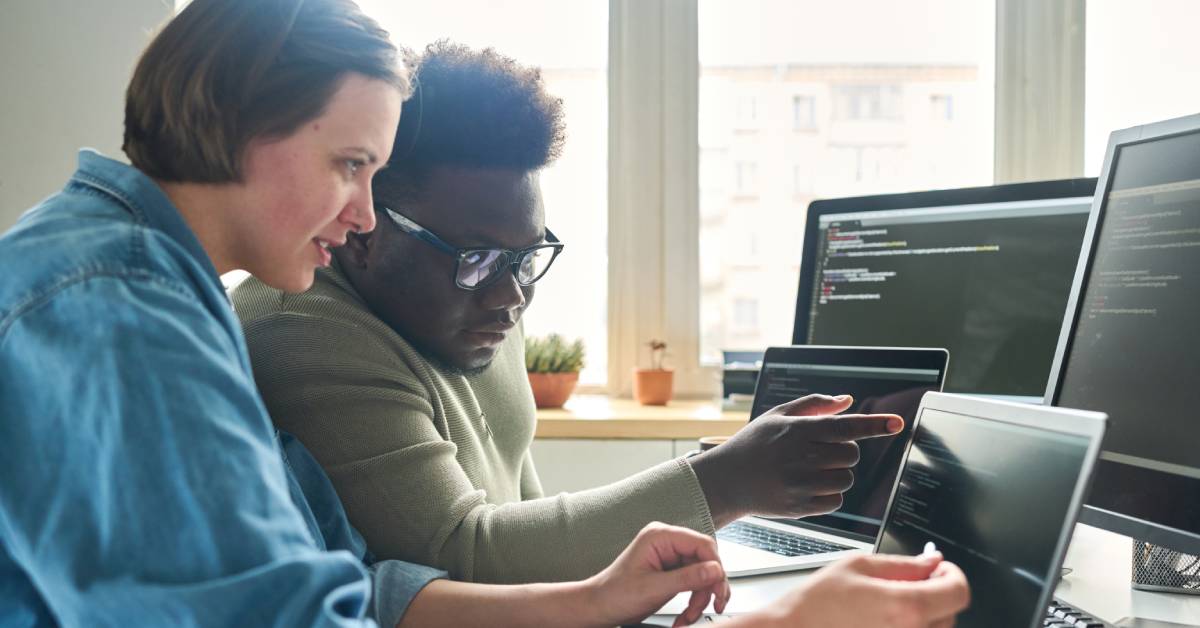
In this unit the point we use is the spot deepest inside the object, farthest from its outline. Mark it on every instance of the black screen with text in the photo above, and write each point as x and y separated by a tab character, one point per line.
989	283
994	497
1135	351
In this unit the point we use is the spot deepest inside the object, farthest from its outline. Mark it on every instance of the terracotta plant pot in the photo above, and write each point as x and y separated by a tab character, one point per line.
652	387
551	390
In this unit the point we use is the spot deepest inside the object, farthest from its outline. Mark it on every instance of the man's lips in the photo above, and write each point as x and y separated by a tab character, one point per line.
498	328
488	335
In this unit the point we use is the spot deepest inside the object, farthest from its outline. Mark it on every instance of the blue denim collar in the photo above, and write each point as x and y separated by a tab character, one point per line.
143	199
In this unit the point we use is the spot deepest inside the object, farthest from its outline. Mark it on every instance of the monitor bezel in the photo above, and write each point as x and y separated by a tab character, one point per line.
1007	193
1091	425
1128	525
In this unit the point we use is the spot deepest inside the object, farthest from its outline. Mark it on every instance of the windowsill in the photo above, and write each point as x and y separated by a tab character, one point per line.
601	417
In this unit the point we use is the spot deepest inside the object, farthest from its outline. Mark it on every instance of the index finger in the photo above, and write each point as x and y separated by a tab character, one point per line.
846	427
674	544
813	405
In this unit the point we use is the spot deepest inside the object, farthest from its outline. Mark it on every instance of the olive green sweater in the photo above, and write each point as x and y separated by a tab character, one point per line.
432	467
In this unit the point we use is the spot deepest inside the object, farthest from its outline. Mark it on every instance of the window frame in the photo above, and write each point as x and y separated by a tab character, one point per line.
653	161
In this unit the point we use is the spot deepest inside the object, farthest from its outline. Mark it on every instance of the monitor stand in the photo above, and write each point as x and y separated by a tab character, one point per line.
1156	568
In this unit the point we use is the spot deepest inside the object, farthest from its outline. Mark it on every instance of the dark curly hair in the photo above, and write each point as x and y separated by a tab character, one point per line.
475	109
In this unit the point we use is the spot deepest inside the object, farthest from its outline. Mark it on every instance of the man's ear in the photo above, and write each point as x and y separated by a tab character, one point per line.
357	249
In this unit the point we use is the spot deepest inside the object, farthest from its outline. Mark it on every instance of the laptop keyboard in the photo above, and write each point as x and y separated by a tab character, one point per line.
1062	615
1059	614
776	541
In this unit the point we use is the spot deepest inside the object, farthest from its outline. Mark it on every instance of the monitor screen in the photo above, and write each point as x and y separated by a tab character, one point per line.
988	281
996	515
1134	350
876	388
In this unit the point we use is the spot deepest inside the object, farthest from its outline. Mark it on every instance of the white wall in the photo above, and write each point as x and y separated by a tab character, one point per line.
64	65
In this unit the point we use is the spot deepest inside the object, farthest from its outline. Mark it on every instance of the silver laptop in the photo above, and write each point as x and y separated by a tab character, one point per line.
996	487
884	380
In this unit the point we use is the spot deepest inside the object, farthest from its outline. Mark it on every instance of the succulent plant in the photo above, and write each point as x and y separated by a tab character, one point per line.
553	354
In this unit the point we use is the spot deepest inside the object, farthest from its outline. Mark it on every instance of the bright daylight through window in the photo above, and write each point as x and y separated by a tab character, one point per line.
806	99
1141	67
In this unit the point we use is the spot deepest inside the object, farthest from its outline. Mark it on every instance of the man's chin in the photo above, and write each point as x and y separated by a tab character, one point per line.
473	363
476	361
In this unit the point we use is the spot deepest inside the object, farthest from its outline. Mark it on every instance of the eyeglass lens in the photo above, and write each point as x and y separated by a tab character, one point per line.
477	267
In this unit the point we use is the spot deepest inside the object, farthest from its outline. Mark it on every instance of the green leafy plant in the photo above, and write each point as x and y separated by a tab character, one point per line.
553	354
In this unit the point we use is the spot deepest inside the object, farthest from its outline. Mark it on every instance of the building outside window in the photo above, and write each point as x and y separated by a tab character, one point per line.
879	78
804	112
868	102
941	107
745	179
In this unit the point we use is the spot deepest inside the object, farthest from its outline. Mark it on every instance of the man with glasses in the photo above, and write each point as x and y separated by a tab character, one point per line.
403	370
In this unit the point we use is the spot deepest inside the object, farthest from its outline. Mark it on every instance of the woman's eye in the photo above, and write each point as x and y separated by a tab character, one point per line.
352	166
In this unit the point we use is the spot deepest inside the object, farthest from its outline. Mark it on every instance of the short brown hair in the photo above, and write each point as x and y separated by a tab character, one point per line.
224	72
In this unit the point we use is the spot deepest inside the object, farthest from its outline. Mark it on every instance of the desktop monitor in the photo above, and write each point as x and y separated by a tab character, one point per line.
1130	344
984	272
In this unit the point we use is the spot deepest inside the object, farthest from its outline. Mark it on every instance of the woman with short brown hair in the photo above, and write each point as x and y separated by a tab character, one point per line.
141	482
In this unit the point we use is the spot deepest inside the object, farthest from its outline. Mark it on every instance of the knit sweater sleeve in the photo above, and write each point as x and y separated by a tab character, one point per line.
531	484
369	420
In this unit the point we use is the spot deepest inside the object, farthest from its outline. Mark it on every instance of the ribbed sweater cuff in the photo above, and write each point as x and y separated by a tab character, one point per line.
696	494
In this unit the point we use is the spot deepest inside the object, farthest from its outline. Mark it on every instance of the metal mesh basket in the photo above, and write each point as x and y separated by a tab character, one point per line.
1156	568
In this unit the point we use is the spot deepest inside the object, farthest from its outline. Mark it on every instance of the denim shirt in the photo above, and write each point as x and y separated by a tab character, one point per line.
141	482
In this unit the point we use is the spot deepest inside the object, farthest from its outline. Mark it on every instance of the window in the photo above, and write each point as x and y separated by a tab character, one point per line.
572	298
745	313
867	102
747	112
745	180
804	113
802	180
879	77
941	107
1141	65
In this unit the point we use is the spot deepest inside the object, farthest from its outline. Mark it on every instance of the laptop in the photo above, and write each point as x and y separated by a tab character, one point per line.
881	380
996	486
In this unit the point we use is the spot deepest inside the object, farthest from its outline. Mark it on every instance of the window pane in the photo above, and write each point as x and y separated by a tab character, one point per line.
572	299
1143	65
806	99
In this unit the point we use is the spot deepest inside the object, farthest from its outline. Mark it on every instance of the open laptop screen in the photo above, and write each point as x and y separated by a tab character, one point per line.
881	380
993	496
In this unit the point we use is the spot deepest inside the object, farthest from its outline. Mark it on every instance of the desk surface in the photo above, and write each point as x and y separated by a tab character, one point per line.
601	417
1098	584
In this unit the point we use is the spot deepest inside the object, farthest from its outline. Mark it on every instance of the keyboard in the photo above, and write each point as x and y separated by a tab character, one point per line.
1062	615
776	541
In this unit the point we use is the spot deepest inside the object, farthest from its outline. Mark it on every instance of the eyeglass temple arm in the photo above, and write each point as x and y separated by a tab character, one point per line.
418	231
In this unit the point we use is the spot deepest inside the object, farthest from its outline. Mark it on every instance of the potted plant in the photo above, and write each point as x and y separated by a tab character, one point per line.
553	366
652	386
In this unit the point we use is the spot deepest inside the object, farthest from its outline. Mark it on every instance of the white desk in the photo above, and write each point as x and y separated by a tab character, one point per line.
1098	584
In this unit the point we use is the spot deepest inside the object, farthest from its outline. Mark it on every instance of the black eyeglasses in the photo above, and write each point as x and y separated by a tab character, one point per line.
477	268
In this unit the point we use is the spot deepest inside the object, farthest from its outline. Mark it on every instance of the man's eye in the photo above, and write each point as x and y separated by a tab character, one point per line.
352	166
